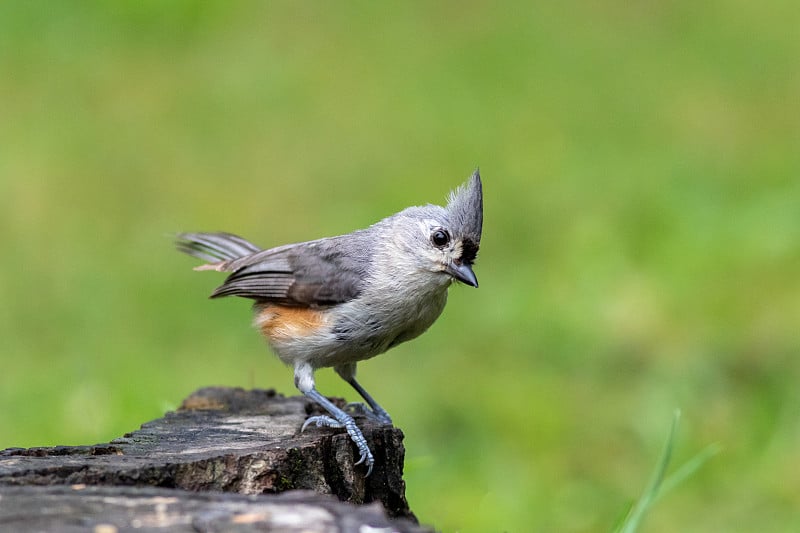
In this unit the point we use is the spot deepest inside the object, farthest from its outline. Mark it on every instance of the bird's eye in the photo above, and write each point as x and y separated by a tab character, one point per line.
440	238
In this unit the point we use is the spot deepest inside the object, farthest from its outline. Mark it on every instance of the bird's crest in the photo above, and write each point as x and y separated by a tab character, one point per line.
465	207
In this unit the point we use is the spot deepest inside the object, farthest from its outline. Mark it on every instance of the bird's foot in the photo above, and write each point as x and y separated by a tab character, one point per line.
377	414
347	422
322	421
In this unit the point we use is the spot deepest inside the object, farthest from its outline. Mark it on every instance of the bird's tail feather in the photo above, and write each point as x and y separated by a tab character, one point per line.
216	248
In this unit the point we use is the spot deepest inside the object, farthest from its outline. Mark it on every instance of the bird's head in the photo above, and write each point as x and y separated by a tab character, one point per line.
445	240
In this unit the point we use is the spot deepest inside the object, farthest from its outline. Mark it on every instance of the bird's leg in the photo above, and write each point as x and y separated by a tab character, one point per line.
304	381
376	412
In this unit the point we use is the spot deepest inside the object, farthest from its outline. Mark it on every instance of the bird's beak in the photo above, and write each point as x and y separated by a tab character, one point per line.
463	273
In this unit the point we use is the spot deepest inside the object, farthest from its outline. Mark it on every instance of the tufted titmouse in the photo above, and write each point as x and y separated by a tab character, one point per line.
340	300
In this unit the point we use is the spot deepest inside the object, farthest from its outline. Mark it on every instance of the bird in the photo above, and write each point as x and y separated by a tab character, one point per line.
337	301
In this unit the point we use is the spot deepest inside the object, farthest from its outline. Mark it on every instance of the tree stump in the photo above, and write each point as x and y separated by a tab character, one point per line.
220	440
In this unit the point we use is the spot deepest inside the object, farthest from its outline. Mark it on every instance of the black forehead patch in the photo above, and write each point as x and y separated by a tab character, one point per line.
469	250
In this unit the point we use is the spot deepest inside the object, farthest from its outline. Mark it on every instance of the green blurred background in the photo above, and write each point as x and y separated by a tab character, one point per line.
640	248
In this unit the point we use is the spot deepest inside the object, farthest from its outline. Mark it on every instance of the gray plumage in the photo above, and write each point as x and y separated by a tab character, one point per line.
354	296
314	273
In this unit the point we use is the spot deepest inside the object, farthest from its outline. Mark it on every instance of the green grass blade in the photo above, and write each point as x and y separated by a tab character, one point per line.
660	484
688	468
637	512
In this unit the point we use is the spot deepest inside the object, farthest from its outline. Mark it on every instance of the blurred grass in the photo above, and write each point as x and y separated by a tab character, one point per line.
640	253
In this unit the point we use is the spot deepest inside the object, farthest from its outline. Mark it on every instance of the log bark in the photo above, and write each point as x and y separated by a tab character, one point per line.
221	440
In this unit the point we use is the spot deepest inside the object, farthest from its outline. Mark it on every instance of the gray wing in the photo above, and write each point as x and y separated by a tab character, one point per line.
315	273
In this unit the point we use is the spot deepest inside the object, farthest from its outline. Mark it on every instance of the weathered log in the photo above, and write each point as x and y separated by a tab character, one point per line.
221	439
108	509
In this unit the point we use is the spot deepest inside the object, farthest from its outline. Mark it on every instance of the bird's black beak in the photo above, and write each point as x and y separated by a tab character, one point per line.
463	273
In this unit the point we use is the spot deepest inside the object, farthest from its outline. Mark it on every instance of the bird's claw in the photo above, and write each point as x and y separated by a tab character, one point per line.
366	458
